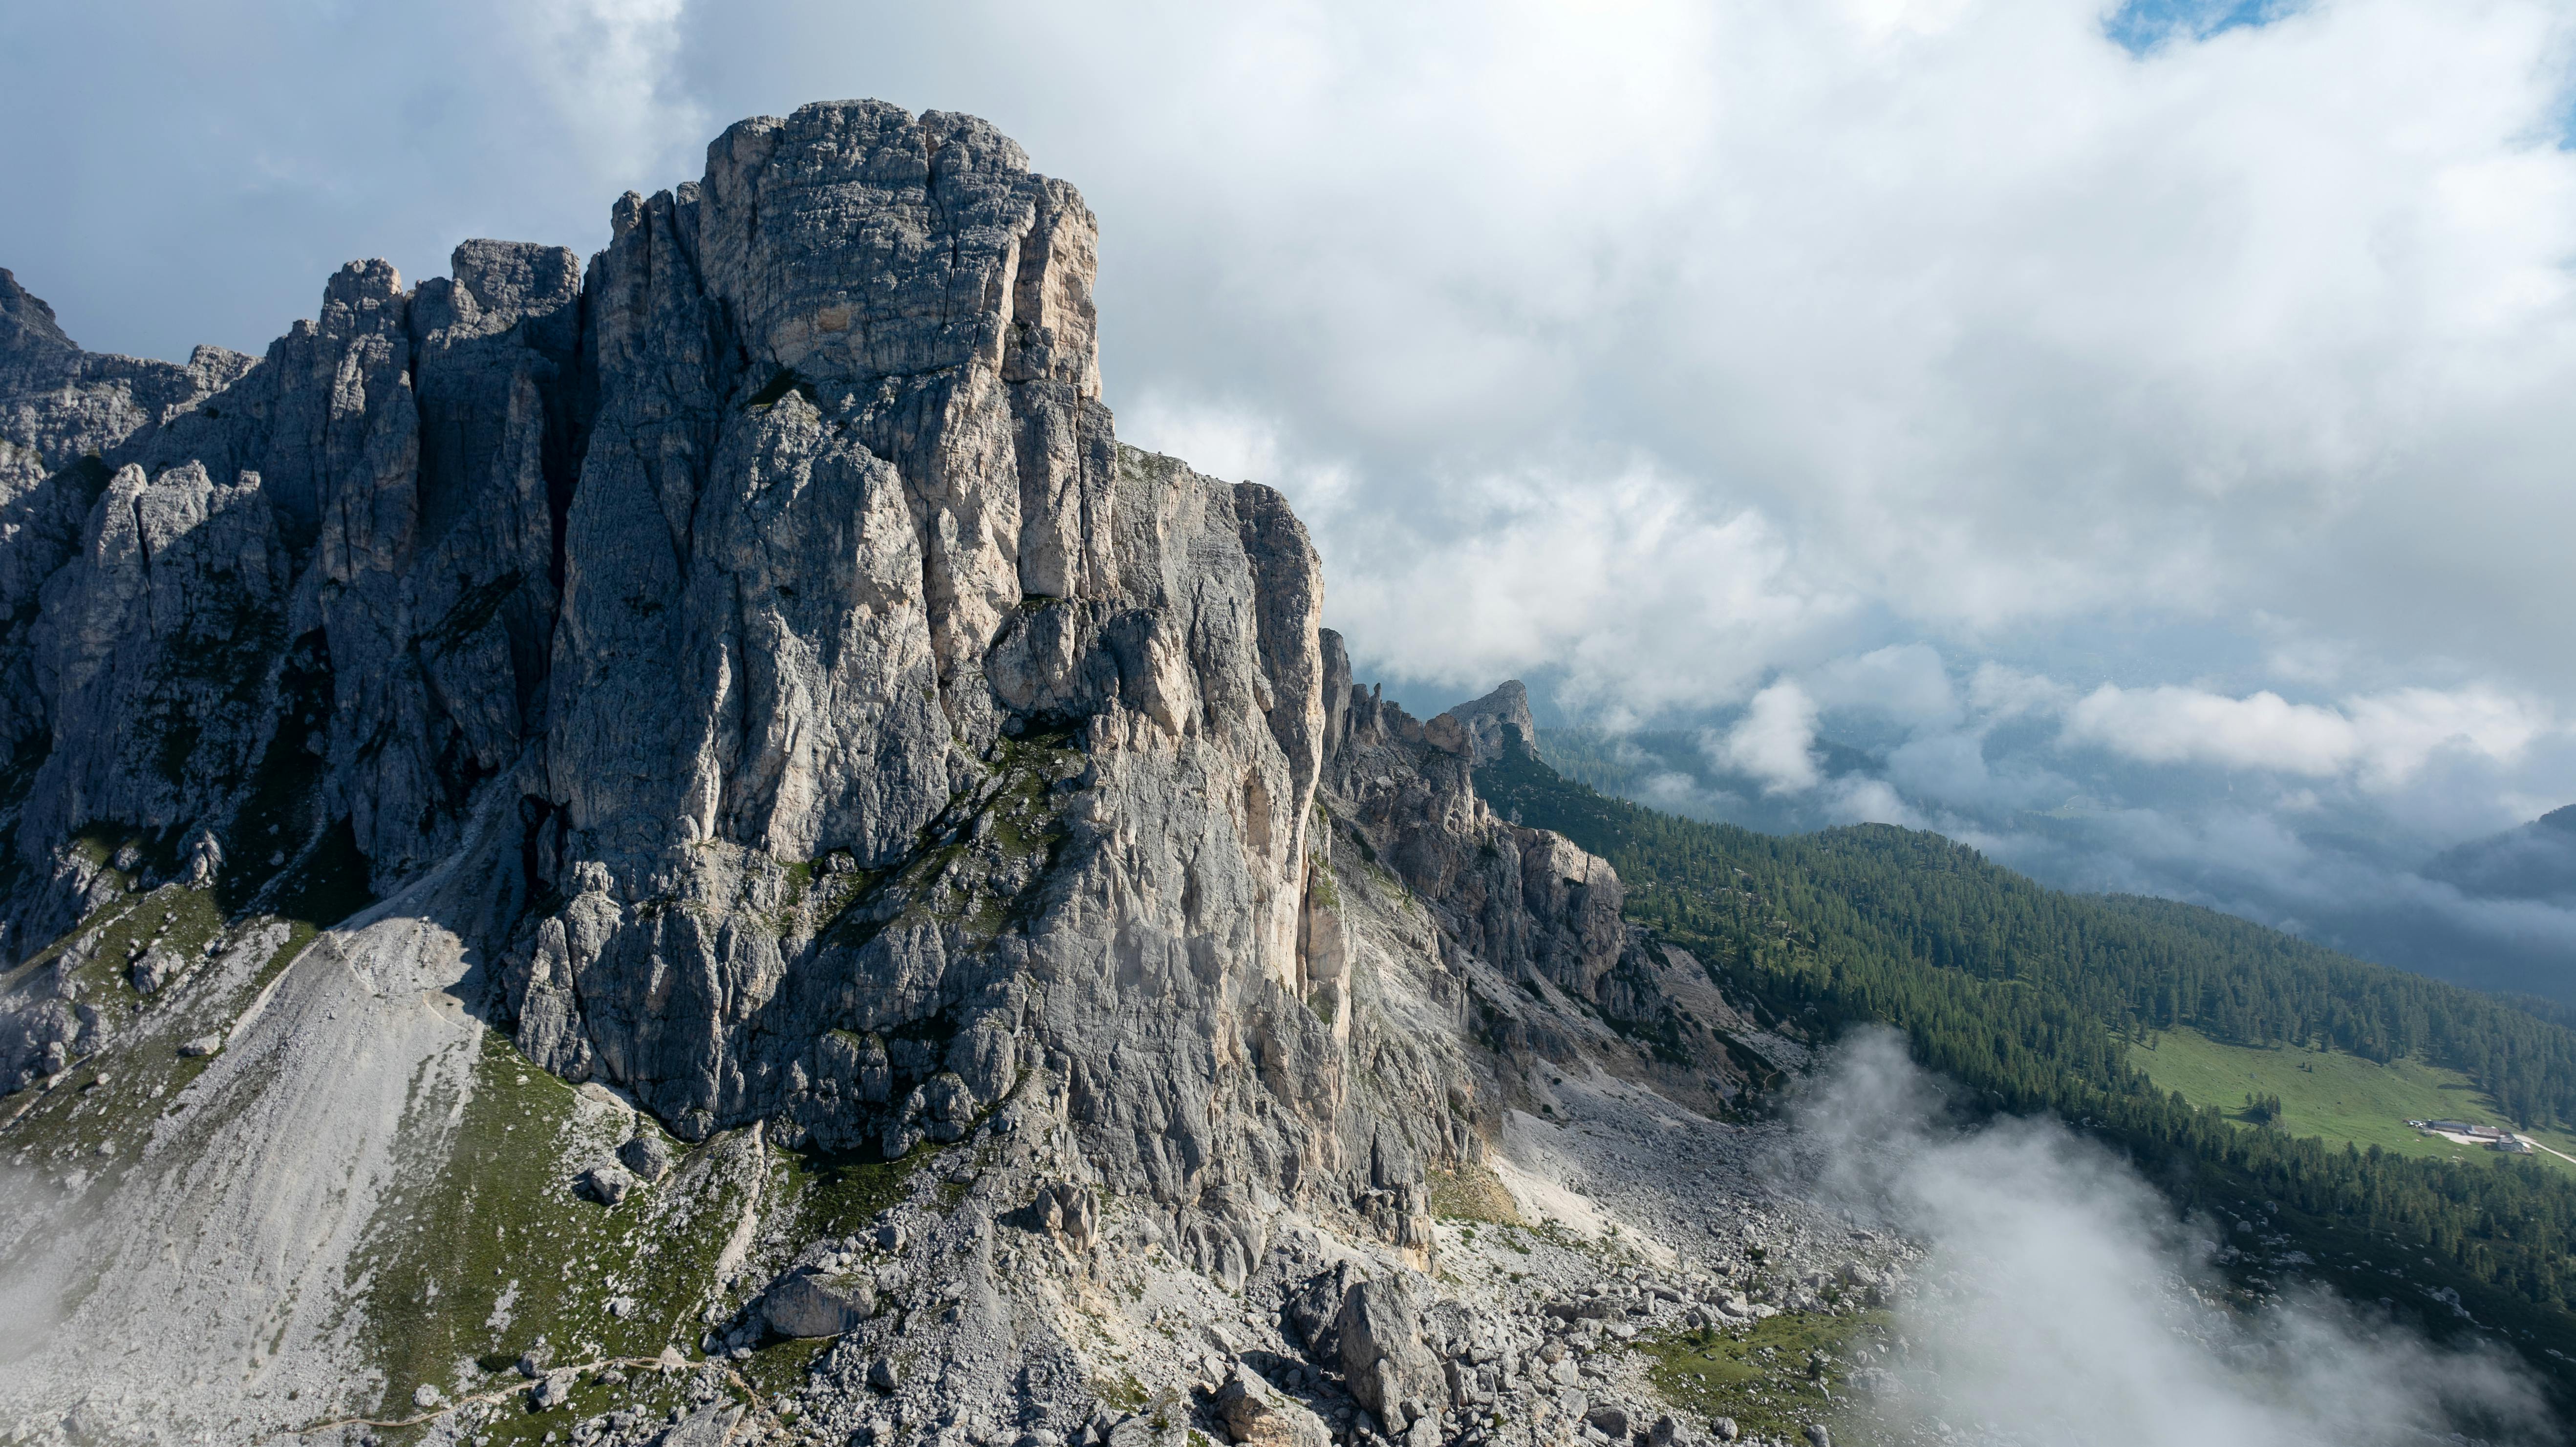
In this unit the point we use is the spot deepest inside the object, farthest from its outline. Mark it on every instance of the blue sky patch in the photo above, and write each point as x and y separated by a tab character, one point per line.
2139	26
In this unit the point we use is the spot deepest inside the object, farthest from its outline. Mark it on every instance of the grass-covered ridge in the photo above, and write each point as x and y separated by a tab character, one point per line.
488	1253
2030	998
2332	1094
1774	1376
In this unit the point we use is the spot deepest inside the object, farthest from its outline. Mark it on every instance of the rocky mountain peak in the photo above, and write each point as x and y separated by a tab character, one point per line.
916	868
1493	721
26	324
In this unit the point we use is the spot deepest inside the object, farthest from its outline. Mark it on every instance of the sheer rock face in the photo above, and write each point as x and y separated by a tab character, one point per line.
749	672
62	411
879	729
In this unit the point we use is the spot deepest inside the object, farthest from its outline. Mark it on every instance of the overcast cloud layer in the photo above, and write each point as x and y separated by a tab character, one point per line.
2111	398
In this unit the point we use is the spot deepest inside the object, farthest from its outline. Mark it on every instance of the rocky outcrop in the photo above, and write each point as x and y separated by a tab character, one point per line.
751	675
1391	1372
1498	722
1257	1414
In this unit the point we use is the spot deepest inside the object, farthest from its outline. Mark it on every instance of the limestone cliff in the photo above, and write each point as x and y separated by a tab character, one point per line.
745	671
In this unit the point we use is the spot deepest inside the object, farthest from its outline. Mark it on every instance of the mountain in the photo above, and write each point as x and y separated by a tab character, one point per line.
683	847
2496	914
622	823
2535	862
2032	997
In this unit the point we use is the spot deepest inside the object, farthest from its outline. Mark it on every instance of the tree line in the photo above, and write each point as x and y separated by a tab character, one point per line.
2029	996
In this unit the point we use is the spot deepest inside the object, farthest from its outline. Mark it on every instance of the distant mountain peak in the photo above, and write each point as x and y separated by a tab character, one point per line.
1489	721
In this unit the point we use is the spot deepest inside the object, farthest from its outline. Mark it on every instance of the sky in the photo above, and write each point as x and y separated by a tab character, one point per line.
2149	416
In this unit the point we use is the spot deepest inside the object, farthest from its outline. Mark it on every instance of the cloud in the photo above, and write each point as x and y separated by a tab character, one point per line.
1774	742
608	68
2177	725
2160	405
1906	682
2385	738
2060	1301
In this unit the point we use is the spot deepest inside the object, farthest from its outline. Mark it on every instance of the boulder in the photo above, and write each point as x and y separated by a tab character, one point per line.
205	860
1314	1309
1256	1412
811	1303
606	1184
648	1155
1383	1356
552	1390
156	968
1067	1210
709	1426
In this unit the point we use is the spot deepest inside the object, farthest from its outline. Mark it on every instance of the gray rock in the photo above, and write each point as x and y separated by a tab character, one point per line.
155	968
1724	1429
709	1426
1255	1412
1609	1420
1497	723
1382	1352
1314	1309
553	1389
1066	1209
606	1184
204	860
811	1303
202	1045
648	1155
885	1375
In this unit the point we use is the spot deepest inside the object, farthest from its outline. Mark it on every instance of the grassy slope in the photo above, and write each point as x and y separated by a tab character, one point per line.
2329	1094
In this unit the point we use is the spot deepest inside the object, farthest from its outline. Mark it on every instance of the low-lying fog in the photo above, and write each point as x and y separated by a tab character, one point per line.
2064	1303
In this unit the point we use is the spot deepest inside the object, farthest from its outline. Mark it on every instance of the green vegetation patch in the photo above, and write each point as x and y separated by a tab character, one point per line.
500	1414
1773	1377
840	1194
111	1098
2331	1094
485	1252
1472	1193
1009	843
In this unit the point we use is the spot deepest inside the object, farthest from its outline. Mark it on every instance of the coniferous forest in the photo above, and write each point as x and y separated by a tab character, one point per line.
2029	996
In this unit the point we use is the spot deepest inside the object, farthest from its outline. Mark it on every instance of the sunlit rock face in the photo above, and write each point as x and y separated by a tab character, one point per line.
755	688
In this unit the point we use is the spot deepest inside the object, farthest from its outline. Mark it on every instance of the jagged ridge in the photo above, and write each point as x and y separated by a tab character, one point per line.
752	677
